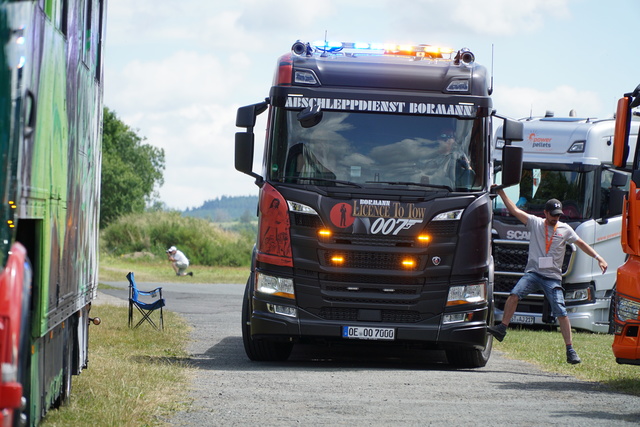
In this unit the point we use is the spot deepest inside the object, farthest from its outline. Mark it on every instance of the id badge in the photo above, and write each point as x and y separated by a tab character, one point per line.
545	262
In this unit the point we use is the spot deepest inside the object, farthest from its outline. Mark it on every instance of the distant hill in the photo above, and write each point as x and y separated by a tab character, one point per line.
227	208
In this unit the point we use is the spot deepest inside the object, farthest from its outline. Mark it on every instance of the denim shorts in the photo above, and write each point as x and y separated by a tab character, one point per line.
552	289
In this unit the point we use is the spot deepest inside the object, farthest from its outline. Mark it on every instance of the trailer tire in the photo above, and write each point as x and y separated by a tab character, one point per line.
260	350
67	369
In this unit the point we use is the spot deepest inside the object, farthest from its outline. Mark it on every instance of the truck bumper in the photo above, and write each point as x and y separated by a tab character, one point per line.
626	344
428	334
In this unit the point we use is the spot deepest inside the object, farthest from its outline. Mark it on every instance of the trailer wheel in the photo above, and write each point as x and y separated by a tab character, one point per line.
260	350
67	369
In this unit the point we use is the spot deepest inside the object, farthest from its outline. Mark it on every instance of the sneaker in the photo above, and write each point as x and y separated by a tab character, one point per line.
498	331
572	357
190	273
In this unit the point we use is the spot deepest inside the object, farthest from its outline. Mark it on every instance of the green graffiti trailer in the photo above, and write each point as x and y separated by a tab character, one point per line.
50	144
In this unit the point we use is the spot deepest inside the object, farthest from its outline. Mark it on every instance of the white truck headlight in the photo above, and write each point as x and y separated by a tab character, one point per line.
273	285
628	309
576	295
467	294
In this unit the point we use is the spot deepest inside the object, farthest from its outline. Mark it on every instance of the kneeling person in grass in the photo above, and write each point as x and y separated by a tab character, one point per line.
179	261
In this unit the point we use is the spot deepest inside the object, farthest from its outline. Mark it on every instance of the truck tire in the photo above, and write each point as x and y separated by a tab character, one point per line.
471	358
260	350
474	358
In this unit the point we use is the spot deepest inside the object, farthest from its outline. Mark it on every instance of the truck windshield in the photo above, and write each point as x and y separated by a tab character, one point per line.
573	188
368	149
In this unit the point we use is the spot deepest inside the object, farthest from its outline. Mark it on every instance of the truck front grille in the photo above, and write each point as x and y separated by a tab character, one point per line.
511	257
373	240
442	228
372	260
504	283
351	315
373	279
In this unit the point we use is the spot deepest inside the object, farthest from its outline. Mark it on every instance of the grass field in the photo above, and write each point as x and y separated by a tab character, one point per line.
134	377
114	269
546	350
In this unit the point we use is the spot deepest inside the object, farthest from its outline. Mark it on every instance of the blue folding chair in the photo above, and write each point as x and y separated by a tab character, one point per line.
145	308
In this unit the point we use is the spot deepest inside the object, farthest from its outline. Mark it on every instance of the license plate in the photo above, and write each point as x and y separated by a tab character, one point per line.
525	320
368	333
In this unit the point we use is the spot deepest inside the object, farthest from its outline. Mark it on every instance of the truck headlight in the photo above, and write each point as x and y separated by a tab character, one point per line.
273	285
627	309
467	294
577	295
454	215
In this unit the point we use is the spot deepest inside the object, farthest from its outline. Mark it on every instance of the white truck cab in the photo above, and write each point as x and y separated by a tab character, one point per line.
569	159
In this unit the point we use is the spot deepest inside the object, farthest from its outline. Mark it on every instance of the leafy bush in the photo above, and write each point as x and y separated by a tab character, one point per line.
203	242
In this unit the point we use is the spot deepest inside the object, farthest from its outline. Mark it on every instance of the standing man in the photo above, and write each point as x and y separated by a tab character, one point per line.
179	261
544	267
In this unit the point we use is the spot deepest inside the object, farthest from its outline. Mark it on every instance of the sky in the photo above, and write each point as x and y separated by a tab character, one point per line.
177	75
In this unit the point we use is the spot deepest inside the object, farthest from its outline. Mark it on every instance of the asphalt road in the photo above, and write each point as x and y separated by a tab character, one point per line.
321	386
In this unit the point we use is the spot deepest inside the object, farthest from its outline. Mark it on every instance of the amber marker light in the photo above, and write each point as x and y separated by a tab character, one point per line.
337	259
409	263
324	233
424	239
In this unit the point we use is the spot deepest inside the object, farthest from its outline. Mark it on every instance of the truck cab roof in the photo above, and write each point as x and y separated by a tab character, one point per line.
415	69
567	140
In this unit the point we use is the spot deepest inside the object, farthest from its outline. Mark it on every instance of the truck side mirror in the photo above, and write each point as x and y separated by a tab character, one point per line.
512	130
511	165
621	133
616	199
244	142
246	116
244	155
619	179
244	152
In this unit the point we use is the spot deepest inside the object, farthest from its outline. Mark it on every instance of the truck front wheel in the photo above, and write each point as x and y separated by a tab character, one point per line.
465	358
473	358
260	350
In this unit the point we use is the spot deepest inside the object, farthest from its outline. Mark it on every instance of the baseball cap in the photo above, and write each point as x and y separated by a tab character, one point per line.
554	207
171	249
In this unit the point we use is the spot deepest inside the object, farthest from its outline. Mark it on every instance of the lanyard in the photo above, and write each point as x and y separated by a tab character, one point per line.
548	240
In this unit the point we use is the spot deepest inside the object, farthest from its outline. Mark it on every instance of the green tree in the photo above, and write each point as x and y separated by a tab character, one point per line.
130	170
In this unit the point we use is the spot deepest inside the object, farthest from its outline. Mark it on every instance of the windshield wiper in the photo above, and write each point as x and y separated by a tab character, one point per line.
419	184
335	181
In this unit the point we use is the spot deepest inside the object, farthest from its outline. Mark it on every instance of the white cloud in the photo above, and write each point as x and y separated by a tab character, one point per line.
507	17
177	79
467	17
521	102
